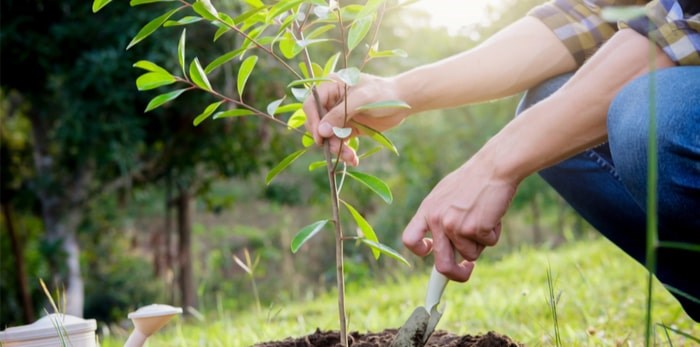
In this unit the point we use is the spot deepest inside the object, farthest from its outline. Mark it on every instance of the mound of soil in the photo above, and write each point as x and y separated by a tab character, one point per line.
384	338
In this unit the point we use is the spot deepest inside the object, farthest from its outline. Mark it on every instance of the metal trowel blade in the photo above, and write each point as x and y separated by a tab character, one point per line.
412	333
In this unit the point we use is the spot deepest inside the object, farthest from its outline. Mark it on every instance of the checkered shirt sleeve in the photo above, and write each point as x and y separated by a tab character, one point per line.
578	24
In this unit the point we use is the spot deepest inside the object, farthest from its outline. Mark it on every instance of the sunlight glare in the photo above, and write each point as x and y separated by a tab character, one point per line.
455	15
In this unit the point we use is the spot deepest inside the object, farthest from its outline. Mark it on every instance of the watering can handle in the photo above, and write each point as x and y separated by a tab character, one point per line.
436	286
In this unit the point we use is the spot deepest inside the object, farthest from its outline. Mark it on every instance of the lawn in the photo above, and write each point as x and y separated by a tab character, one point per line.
600	302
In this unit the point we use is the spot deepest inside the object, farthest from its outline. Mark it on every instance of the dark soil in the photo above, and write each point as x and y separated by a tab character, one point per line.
384	338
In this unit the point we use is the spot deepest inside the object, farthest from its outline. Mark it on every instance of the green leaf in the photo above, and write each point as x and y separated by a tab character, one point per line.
273	106
288	108
99	4
198	76
205	9
364	226
289	46
376	136
222	30
297	119
281	7
252	35
206	113
354	143
142	2
237	112
312	81
163	98
373	53
283	165
245	71
330	64
350	75
359	29
384	104
181	52
300	93
151	80
316	165
320	31
375	184
222	60
370	152
307	140
370	7
306	233
152	26
149	66
386	250
182	21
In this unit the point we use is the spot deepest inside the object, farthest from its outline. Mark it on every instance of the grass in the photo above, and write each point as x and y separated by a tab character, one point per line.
600	301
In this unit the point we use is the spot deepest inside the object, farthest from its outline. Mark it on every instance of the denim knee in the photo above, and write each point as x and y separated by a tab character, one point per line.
677	114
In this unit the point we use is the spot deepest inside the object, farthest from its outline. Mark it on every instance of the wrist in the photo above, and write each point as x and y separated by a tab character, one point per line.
500	159
408	89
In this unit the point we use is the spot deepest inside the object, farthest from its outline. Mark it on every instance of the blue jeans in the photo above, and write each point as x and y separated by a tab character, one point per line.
607	185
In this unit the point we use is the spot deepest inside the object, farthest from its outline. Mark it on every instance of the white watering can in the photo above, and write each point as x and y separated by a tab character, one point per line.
58	329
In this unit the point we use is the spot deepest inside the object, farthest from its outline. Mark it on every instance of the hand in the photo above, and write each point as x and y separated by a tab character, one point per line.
463	214
369	89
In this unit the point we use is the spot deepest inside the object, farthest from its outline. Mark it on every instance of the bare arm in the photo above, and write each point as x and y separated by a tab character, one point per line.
516	58
464	210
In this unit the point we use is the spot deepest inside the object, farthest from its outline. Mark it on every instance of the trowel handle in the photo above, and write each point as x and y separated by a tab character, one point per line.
436	286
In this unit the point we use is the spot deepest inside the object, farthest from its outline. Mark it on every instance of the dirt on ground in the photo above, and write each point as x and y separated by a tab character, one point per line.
384	338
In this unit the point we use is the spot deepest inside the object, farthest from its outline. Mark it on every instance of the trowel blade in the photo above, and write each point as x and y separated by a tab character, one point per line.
433	320
412	332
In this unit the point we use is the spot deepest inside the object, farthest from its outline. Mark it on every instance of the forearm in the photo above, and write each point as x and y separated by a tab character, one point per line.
573	118
517	58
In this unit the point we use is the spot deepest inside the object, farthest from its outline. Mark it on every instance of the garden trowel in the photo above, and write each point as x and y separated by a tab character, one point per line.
421	324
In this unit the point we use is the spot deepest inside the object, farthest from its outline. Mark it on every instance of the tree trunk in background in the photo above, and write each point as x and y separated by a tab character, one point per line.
168	240
536	227
188	295
18	253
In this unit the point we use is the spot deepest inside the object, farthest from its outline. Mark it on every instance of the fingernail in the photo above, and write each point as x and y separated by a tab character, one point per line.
325	130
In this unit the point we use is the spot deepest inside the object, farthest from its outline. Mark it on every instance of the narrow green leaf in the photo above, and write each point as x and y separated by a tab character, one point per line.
297	119
207	112
143	2
237	112
99	4
222	60
198	76
289	46
384	104
288	108
283	165
370	7
307	140
350	75
359	29
376	136
273	106
151	80
330	64
150	66
317	165
320	31
354	143
222	30
252	35
255	3
181	52
163	98
306	233
370	152
205	9
300	93
364	226
386	250
312	81
385	54
150	27
375	184
186	20
245	71
281	7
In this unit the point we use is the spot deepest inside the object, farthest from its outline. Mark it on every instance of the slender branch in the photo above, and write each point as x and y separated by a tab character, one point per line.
377	25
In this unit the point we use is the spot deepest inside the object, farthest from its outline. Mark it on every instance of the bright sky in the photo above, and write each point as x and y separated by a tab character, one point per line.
455	14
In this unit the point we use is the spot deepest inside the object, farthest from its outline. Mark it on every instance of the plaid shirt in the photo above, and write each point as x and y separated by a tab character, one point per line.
674	25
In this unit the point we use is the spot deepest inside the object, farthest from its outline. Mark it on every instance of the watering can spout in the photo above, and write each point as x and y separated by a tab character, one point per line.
147	320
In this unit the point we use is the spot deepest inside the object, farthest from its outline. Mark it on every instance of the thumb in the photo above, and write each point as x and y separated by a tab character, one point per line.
334	118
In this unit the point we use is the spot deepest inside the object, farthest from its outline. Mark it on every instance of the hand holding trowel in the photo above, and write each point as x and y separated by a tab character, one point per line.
421	324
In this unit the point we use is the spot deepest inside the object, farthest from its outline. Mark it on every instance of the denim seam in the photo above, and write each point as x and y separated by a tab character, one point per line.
604	164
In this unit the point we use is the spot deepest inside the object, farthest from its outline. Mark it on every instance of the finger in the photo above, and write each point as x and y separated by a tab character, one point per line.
340	114
328	94
347	154
468	249
445	263
413	236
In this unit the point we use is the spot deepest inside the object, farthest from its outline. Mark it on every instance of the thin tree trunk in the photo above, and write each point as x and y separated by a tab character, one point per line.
18	253
168	239
184	226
